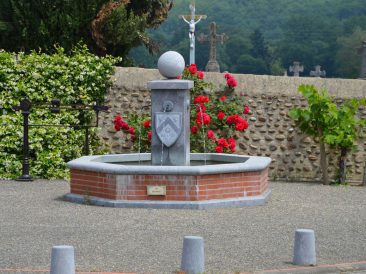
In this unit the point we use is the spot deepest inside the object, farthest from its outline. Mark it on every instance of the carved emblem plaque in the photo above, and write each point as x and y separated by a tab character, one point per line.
168	127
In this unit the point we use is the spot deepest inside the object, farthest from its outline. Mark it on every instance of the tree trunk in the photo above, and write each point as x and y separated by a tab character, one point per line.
342	166
323	159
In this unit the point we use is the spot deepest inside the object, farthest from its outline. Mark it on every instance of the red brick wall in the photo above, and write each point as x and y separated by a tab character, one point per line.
178	188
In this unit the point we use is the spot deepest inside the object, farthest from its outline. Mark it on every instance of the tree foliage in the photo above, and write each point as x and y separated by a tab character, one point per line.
291	31
333	125
40	77
27	25
348	60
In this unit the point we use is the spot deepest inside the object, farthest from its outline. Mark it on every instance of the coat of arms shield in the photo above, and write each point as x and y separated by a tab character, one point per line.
168	127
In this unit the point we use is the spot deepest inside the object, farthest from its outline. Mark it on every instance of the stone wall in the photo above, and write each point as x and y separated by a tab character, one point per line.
272	133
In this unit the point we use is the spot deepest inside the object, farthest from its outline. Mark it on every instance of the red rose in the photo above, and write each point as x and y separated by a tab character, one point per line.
133	138
201	108
206	118
222	98
117	127
228	76
222	142
118	123
149	134
231	140
219	149
147	124
221	115
192	69
200	75
202	118
131	130
231	82
232	119
178	77
194	129
125	126
201	99
241	125
246	110
210	134
232	143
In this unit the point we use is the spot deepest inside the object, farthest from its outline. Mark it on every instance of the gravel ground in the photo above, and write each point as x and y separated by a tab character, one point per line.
34	218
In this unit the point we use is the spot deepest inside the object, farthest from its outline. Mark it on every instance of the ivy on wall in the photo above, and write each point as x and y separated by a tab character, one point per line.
79	77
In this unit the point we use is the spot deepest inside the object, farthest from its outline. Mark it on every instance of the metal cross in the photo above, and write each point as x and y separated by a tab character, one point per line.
318	72
213	38
192	20
296	68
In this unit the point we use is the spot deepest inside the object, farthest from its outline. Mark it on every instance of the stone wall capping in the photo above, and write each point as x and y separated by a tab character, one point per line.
270	97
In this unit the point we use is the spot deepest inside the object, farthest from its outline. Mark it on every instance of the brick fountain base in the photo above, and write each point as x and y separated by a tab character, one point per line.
124	181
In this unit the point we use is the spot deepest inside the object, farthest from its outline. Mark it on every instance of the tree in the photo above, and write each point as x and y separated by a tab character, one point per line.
120	25
348	61
310	40
344	133
248	64
36	24
336	126
260	51
315	120
27	25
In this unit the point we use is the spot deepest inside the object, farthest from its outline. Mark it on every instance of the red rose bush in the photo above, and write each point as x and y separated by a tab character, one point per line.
217	120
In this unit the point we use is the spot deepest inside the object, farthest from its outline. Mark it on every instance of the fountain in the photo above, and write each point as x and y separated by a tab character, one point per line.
170	176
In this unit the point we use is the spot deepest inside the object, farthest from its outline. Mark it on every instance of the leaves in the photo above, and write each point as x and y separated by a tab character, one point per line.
41	77
335	125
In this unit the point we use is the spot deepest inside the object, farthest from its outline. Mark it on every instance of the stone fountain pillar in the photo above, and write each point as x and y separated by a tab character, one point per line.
170	113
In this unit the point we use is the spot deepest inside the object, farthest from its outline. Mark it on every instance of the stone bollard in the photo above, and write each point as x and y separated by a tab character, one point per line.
193	257
62	260
304	248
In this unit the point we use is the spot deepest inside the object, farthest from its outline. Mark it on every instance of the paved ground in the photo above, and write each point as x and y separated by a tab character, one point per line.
34	218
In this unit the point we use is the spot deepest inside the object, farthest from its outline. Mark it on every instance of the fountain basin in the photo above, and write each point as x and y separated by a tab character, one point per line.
122	180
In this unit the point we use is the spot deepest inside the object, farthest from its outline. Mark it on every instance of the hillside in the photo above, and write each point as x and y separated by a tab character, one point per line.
310	31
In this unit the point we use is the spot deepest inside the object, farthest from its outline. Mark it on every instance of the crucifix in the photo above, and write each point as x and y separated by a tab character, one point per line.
192	20
318	72
362	51
296	68
213	38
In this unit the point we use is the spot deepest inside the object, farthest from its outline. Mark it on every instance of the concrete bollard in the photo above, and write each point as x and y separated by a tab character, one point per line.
193	257
304	248
62	260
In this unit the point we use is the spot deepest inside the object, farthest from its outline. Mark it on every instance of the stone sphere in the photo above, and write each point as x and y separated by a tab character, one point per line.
171	64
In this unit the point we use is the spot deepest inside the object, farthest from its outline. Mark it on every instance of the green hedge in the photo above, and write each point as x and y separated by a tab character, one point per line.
39	77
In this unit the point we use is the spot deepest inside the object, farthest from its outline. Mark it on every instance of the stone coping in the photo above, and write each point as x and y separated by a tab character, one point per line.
209	204
234	163
170	85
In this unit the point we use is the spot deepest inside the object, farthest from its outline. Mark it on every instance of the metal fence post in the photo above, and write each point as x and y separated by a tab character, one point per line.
25	106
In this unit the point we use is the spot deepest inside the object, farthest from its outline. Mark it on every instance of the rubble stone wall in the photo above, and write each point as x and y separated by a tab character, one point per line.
271	133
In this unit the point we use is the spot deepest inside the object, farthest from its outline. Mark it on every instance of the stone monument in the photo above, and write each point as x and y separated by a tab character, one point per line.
170	112
213	38
296	68
318	72
192	20
362	51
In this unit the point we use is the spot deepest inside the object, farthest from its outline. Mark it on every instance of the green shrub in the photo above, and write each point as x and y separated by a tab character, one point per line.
39	77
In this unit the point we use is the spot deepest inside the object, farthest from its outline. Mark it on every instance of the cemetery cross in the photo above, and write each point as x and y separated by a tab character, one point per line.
213	38
192	20
318	72
296	68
